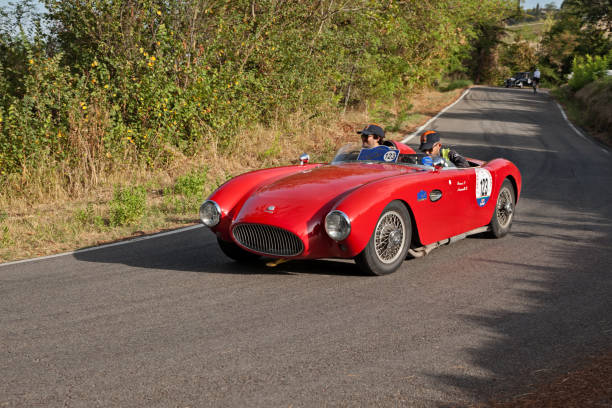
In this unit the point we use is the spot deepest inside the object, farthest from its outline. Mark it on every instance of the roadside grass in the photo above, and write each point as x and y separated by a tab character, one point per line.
592	112
38	216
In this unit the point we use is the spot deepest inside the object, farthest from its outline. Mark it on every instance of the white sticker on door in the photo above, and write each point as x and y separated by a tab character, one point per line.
484	186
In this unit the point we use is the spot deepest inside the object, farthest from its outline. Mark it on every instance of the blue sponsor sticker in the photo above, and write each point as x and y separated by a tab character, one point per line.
428	161
422	195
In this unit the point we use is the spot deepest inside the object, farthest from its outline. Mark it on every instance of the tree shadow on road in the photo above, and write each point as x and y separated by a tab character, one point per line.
563	281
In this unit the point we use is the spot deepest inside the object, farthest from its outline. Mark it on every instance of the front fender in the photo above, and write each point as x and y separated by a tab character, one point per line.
364	205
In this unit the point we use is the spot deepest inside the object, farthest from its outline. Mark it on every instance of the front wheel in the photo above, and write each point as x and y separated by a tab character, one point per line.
389	242
501	221
235	252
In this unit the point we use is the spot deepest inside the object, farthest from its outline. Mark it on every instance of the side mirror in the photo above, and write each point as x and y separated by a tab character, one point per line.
304	159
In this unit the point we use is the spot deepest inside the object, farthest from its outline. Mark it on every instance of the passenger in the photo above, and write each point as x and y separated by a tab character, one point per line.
430	144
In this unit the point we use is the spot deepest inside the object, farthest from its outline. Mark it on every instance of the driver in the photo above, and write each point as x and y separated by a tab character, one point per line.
371	136
430	144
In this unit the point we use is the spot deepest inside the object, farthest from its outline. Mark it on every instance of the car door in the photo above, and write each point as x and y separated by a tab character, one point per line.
439	206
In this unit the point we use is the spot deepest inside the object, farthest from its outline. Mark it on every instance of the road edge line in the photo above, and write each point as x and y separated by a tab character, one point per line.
416	132
112	244
577	131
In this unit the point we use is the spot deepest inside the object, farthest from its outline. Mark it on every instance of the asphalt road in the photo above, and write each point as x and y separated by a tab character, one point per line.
171	322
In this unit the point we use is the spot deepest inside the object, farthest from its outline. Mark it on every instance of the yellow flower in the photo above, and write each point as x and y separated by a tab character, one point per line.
158	13
93	80
153	58
31	61
108	155
106	86
94	64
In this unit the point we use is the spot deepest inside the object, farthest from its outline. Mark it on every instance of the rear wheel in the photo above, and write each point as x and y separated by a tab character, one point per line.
235	252
501	221
389	242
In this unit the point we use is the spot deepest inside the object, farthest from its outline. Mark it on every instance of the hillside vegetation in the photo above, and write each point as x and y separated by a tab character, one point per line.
102	86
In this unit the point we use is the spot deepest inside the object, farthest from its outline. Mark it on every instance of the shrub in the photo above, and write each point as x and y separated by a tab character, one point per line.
587	69
456	84
127	206
192	184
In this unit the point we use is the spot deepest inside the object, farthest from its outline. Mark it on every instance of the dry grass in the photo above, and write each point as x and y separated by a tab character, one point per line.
43	214
589	385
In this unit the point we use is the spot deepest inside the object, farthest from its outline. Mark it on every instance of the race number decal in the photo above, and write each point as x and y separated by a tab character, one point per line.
484	186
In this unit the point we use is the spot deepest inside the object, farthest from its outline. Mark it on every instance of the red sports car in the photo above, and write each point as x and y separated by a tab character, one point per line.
373	205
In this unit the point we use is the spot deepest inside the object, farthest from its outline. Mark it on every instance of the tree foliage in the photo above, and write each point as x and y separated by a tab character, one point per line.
117	80
582	28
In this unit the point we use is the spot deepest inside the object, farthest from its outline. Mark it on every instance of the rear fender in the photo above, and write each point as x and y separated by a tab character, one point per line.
502	169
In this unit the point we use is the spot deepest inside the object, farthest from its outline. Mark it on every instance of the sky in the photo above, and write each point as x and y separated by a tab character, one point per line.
529	4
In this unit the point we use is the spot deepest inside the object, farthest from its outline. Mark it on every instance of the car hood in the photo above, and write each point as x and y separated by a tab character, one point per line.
303	195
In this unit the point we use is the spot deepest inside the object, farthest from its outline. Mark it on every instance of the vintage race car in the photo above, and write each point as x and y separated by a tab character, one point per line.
375	206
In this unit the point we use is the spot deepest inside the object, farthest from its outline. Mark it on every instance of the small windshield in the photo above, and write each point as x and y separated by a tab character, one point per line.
353	153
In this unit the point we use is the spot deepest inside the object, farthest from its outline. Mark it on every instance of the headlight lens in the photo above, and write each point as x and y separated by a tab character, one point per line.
337	225
210	213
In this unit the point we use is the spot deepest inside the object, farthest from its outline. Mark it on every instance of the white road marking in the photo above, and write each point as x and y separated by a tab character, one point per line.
416	132
578	132
127	241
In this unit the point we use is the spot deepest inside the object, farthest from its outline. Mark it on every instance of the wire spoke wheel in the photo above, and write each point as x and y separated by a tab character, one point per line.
501	221
505	208
389	242
389	237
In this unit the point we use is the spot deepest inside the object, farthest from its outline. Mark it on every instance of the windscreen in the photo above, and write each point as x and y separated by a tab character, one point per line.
379	154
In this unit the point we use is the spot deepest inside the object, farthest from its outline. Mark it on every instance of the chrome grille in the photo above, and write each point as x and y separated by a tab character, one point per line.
268	240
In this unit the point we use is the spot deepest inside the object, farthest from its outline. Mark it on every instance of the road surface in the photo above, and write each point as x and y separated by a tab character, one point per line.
171	322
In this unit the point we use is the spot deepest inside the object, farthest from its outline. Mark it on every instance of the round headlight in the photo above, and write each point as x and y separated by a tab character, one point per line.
210	213
337	225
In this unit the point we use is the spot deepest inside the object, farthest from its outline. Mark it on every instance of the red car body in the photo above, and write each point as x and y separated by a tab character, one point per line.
298	198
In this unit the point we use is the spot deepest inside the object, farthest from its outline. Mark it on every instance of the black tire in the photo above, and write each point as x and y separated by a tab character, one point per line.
235	252
501	221
382	259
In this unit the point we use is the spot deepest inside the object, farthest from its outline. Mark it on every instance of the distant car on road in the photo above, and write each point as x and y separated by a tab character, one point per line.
519	80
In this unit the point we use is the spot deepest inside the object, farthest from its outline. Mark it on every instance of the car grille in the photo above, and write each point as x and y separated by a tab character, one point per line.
268	240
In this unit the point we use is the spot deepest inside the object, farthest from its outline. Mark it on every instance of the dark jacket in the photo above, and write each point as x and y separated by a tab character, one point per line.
451	155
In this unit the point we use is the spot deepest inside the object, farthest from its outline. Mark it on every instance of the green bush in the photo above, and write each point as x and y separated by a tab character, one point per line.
587	69
127	206
192	184
456	84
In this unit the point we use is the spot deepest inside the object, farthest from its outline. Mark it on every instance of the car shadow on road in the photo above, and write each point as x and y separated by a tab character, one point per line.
196	250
